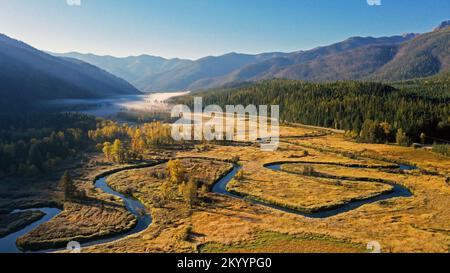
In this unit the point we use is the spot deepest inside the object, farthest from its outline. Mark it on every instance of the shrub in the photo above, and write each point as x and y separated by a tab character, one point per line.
204	189
235	159
240	175
443	149
308	170
185	234
402	139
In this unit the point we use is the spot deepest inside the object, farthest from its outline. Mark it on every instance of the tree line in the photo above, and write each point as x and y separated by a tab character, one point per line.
121	143
368	111
34	144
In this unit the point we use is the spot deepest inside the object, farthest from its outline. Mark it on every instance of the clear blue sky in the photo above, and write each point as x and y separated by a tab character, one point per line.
196	28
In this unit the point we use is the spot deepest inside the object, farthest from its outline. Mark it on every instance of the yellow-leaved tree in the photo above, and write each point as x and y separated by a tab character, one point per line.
176	171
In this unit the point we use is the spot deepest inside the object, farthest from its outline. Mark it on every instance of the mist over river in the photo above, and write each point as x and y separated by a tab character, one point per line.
110	107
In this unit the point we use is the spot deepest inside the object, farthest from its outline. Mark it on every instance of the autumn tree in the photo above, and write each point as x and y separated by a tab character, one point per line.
240	175
423	138
176	171
107	150
189	192
137	141
401	138
118	152
166	190
387	130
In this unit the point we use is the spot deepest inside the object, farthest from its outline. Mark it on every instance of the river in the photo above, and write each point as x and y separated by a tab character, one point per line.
8	245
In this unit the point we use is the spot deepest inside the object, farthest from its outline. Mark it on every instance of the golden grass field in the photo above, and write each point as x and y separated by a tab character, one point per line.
420	223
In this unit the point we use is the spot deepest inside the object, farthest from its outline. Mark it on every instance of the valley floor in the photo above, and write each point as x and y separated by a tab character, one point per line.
323	171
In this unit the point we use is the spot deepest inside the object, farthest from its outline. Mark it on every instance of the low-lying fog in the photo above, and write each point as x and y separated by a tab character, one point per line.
108	107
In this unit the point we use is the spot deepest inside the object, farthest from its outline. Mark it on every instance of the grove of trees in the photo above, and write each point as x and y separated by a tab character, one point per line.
31	144
178	179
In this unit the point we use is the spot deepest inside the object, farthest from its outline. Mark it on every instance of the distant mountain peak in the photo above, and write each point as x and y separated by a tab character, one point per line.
443	25
410	35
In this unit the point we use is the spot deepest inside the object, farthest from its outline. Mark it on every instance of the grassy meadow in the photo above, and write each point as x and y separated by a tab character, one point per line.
320	174
223	224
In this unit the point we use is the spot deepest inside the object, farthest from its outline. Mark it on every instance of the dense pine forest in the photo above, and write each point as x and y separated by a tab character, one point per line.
405	112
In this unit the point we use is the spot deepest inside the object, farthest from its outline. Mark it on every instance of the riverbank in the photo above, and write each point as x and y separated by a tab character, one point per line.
115	217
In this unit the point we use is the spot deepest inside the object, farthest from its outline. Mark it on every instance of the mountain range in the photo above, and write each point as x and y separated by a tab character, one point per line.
392	58
28	74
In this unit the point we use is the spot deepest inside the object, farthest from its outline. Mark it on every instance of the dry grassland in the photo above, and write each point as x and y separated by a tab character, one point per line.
223	224
420	223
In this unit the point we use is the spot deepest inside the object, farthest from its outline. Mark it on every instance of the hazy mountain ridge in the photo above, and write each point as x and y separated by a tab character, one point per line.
355	58
27	74
354	64
211	72
133	69
149	73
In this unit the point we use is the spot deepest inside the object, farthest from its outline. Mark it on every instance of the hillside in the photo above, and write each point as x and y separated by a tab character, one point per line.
358	58
27	74
336	61
349	65
426	55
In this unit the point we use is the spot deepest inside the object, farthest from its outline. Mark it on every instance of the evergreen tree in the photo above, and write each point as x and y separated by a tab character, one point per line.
35	157
68	187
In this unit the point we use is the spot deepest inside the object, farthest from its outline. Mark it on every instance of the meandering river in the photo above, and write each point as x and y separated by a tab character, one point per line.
398	191
8	243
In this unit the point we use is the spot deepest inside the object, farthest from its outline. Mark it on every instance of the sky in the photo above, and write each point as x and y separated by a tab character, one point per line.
196	28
